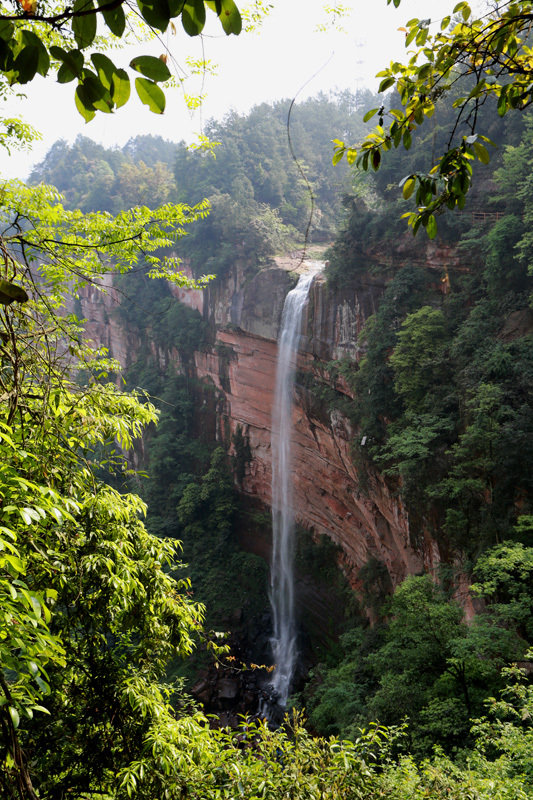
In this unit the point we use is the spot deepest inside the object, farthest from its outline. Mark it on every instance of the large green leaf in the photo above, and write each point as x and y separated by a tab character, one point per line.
150	94
115	80
151	67
229	15
12	291
431	227
14	714
30	39
72	63
96	93
92	96
482	153
115	19
80	99
175	7
155	12
26	64
121	88
105	68
84	26
193	17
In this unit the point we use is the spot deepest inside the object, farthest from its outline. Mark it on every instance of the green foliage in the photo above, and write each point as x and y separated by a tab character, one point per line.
485	58
224	578
415	359
37	39
440	392
442	411
411	446
91	615
189	487
426	665
254	166
421	672
505	734
259	204
94	178
337	693
373	382
34	220
257	763
441	778
503	578
249	231
472	472
16	134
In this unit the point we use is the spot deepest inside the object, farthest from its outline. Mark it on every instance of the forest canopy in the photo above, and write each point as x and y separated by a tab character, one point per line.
93	603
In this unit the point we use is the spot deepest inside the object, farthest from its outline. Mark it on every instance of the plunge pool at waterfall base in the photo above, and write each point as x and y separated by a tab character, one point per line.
242	687
322	599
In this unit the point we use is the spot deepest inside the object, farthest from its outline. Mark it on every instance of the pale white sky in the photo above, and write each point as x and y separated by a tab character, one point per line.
252	68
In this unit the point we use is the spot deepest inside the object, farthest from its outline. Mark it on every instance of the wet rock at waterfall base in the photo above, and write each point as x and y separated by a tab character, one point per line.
228	689
228	694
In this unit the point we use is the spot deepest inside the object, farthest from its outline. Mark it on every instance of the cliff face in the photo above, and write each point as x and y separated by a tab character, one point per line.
331	498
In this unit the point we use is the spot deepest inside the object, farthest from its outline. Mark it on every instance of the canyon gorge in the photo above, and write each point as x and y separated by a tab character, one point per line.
364	517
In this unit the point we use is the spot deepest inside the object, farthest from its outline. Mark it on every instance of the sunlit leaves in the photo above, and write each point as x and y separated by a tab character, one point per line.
150	94
464	9
114	18
25	51
84	22
253	15
83	104
481	152
495	50
92	95
116	81
431	226
71	63
74	554
104	90
228	13
153	68
408	187
370	114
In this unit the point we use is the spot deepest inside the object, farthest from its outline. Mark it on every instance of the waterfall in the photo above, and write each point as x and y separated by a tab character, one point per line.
281	576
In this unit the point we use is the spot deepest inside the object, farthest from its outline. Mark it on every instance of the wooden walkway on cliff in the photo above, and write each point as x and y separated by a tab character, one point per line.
487	216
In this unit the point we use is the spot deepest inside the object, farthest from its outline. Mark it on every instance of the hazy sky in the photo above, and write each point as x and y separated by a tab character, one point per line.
288	53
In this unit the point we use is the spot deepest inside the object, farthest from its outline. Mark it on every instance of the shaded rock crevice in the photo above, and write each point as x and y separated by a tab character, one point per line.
244	314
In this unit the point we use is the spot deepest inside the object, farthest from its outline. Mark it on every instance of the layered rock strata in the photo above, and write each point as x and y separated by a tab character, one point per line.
362	516
329	496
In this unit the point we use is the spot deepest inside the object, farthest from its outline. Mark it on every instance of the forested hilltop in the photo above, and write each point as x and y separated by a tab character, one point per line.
248	173
98	610
442	406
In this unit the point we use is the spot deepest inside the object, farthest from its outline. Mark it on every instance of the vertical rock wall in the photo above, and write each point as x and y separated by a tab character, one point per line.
331	497
362	516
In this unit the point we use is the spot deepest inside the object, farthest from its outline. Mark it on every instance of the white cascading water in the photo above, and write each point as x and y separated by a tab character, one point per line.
282	576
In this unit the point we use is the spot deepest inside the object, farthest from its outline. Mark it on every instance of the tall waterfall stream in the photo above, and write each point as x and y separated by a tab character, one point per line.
284	640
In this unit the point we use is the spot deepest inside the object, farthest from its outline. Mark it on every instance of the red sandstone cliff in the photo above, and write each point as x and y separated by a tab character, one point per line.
328	495
245	313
